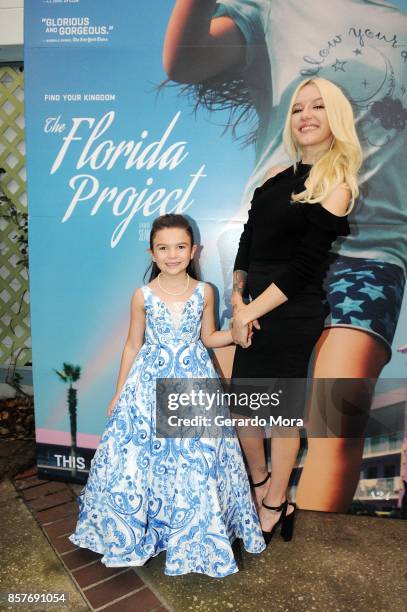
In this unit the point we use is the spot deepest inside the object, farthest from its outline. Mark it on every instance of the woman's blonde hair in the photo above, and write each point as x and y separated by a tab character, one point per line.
341	163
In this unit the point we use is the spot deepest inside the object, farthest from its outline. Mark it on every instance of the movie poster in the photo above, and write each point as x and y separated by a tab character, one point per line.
112	143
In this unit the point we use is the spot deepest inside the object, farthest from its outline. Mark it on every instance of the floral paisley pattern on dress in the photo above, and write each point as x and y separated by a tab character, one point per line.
189	497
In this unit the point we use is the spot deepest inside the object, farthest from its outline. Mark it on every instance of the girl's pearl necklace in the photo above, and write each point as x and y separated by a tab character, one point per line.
169	292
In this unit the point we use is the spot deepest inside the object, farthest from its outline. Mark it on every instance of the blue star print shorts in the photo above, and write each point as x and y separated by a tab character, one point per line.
365	294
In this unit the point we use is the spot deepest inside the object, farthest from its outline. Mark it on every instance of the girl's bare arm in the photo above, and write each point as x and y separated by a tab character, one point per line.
209	335
134	342
196	46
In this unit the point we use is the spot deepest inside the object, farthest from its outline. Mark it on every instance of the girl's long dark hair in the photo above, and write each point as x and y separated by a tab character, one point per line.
163	222
223	94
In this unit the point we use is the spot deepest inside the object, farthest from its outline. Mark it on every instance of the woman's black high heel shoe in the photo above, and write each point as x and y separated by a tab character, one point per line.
253	485
259	484
287	526
286	522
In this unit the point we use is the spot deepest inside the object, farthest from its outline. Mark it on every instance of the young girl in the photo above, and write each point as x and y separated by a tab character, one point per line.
190	496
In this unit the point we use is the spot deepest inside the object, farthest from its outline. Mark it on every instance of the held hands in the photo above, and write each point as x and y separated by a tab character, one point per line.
242	333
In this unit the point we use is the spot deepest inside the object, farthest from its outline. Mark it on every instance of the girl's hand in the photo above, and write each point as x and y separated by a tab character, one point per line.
241	332
112	405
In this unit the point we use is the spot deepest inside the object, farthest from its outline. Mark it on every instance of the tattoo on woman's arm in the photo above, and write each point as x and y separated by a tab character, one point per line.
239	281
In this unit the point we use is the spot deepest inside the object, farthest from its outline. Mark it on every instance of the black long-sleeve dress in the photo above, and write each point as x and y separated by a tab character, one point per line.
286	243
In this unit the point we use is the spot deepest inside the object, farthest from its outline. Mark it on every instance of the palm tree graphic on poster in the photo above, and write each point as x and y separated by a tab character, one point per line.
70	374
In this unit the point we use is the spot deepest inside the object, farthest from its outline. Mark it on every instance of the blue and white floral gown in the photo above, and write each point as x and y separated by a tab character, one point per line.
190	496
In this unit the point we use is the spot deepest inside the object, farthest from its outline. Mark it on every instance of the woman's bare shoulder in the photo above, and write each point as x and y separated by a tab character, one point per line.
271	172
137	299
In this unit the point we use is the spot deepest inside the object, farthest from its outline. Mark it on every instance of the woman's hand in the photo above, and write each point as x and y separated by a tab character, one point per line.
112	405
241	332
239	336
243	338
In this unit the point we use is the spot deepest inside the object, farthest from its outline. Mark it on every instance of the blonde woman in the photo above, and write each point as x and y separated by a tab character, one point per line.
247	55
295	217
